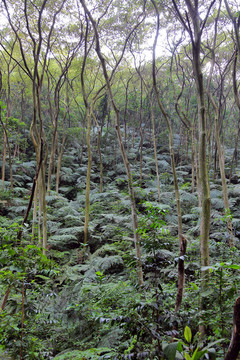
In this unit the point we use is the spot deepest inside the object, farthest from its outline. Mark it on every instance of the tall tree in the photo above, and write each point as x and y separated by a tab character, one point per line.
37	36
217	116
182	240
194	26
108	79
234	16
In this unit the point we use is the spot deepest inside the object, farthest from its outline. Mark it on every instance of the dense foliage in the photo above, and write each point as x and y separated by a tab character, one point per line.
99	151
84	303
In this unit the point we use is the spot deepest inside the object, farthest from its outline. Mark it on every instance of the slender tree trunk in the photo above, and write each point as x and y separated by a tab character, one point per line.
195	31
44	209
235	152
141	136
100	161
40	206
52	156
60	154
124	155
217	132
87	193
6	146
193	159
203	165
4	157
155	151
182	244
34	219
99	136
223	178
125	112
197	175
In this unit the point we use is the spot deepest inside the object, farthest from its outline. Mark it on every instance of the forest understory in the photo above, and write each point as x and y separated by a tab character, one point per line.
83	301
120	180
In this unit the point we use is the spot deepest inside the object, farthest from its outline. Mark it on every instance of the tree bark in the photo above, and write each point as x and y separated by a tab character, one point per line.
234	346
119	135
175	180
194	26
217	110
87	193
155	150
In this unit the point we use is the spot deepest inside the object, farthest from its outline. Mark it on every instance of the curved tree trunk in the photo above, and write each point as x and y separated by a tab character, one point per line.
182	241
124	155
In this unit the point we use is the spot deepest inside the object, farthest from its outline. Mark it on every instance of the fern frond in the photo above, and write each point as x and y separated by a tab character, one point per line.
107	265
167	197
105	250
235	191
217	204
64	211
53	226
20	191
190	217
63	242
187	197
164	166
171	219
74	230
215	193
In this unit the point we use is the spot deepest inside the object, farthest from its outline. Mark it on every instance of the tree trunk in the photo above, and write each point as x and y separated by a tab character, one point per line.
155	151
60	155
235	152
99	136
217	111
124	155
193	159
224	184
195	32
52	155
177	195
87	192
234	346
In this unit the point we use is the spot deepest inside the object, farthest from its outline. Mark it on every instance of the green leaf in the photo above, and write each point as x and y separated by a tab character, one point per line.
212	351
188	334
234	266
205	268
195	287
187	356
209	346
170	350
180	346
42	277
198	354
15	327
207	292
